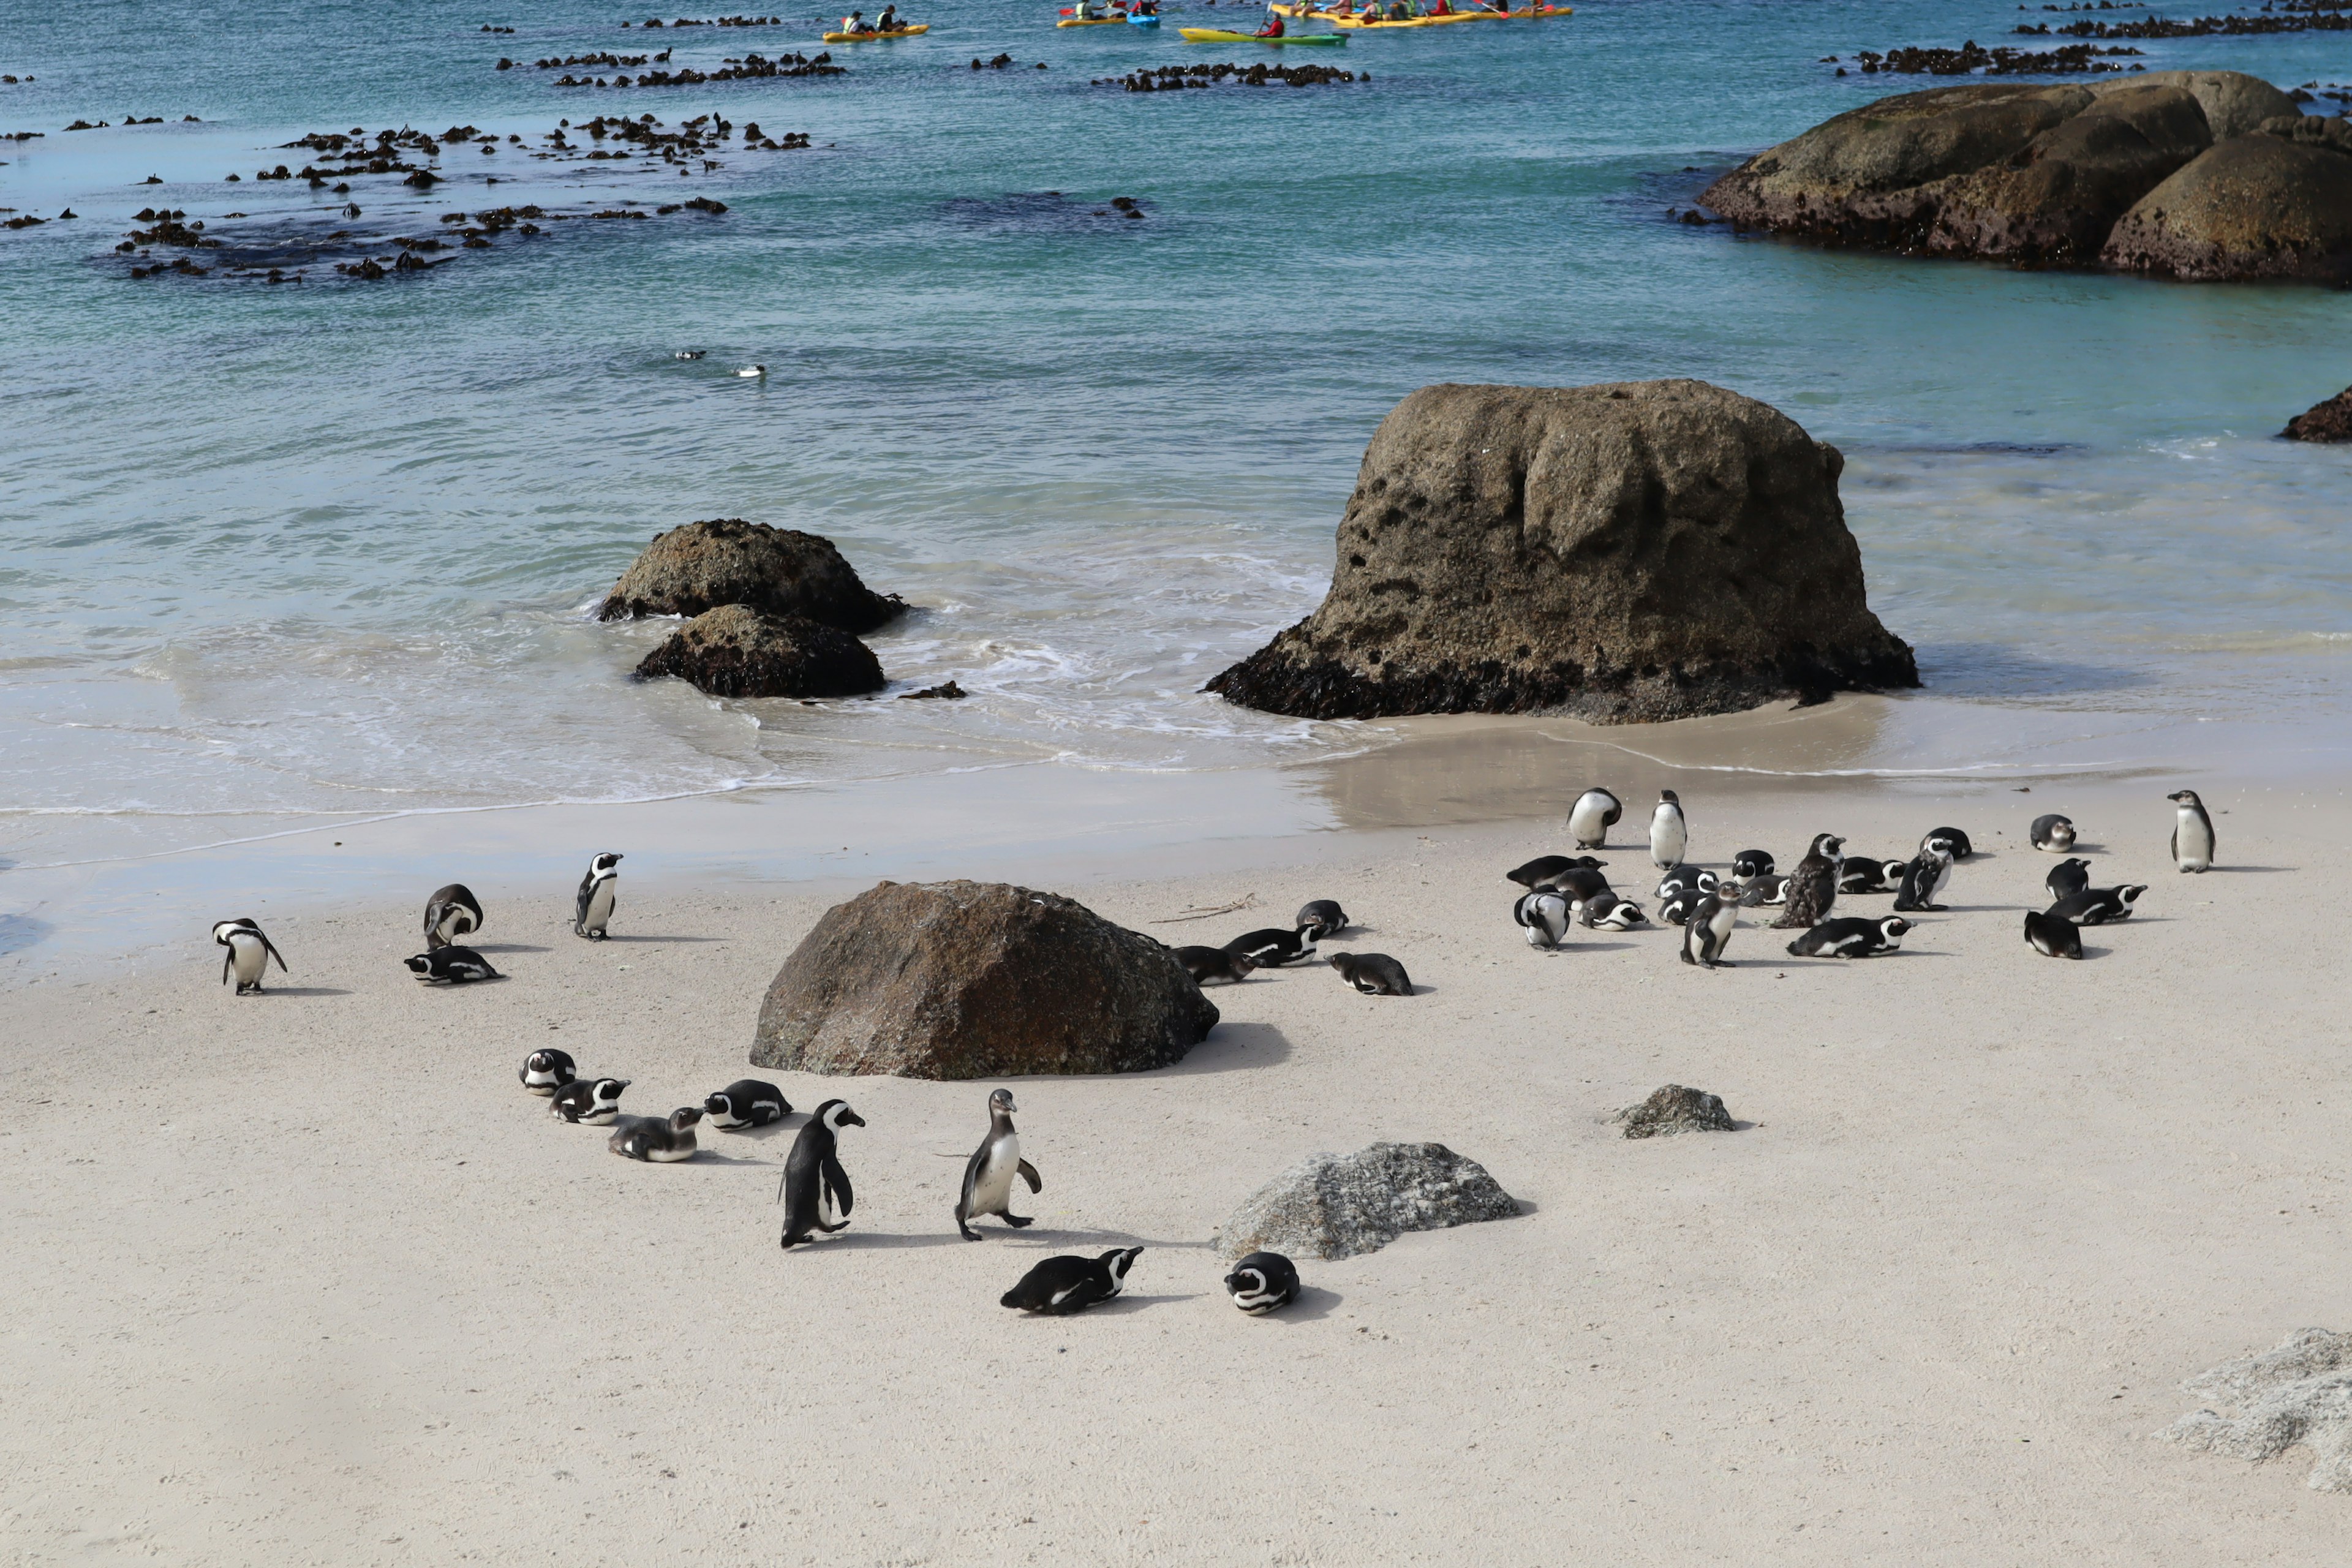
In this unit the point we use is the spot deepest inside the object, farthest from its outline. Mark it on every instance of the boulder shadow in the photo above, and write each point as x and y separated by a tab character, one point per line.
1231	1046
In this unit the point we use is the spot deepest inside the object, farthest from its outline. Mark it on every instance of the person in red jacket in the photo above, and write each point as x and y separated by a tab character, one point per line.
1273	28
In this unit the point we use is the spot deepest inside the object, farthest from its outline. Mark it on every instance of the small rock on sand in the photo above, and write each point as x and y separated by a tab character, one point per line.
1672	1110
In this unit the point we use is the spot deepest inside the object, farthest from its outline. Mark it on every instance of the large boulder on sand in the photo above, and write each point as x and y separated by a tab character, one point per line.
1336	1206
2328	421
1628	553
737	651
727	561
961	980
2277	204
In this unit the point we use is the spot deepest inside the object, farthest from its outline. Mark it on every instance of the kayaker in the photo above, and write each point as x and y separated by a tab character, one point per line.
1273	28
889	21
1083	11
1439	8
855	23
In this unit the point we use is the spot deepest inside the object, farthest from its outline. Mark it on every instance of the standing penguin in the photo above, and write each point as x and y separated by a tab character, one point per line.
2051	832
2193	832
1924	879
451	912
1814	885
988	1174
1544	915
248	954
1262	1282
1596	811
594	909
1709	929
814	1185
1669	834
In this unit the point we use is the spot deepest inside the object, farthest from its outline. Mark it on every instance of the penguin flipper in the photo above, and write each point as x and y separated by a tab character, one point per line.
228	958
836	1182
1029	1175
271	948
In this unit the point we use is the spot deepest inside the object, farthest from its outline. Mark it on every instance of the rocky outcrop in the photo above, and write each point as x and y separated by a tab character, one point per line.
2235	104
1674	1109
2328	421
963	979
2277	204
1624	553
737	651
1338	1205
2299	1392
727	561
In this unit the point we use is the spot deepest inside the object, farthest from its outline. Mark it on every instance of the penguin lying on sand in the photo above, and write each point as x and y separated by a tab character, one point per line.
988	1174
2053	936
451	912
1262	1282
1273	946
746	1102
451	966
1540	871
658	1140
1851	937
2068	878
248	955
1207	964
588	1102
1060	1286
1682	878
1320	918
2098	906
1750	864
1609	912
1373	973
2052	831
545	1071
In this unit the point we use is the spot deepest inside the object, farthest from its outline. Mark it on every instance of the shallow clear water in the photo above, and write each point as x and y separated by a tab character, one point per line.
328	548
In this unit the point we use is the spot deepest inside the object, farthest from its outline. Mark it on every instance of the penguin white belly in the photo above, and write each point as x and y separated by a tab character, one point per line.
600	905
2192	843
670	1156
249	958
1668	839
991	1190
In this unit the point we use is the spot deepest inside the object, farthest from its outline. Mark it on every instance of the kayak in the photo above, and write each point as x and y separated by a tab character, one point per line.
870	37
1359	21
1143	21
1219	35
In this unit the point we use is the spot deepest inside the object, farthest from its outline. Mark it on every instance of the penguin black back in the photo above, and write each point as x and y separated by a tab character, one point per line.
1373	973
1320	918
1273	946
1207	964
746	1102
2068	877
814	1185
451	912
2053	936
1262	1282
1060	1286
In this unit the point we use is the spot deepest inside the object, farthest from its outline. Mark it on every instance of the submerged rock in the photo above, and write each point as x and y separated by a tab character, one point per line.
1624	553
2299	1392
963	980
737	651
1674	1109
727	561
1338	1205
2328	421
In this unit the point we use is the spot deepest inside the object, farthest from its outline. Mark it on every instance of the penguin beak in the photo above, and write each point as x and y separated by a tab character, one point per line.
851	1119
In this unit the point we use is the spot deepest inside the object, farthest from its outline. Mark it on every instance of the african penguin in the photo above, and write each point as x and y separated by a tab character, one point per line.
814	1186
1953	838
1322	917
451	912
1709	929
1207	964
2052	831
248	955
545	1071
1541	870
988	1174
1775	889
1060	1286
1860	874
1814	885
1685	878
1545	916
746	1102
1750	864
2053	936
2193	832
1851	937
1262	1282
1577	883
1669	834
1610	912
658	1140
590	1102
451	966
593	911
1924	880
2098	906
1675	907
1272	947
2068	877
1596	811
1373	973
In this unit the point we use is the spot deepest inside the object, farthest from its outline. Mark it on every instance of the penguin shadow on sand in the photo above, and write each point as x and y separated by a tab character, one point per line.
1312	1305
617	938
506	947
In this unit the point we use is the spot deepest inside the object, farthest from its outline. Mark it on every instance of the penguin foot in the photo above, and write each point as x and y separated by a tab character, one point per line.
1017	1221
969	1234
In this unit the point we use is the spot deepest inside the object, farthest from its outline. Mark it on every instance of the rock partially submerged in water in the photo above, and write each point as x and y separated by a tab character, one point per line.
1338	1205
727	561
2299	1392
737	651
2328	421
1625	553
963	979
2277	204
1674	1109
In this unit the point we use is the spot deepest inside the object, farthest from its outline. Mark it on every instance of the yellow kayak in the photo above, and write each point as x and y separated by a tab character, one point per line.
870	37
1219	36
1358	20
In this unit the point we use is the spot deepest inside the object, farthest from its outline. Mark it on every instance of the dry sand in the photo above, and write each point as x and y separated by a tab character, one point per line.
307	1279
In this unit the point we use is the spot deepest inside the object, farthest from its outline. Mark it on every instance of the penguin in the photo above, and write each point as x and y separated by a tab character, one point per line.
450	913
2098	906
1750	864
1669	834
1814	885
1545	916
1675	907
1207	964
1322	917
1544	868
1774	891
988	1174
746	1102
2068	878
1060	1286
814	1185
1610	912
1924	880
594	909
1273	946
1576	884
659	1139
2053	936
1709	929
2052	831
1596	811
1685	879
545	1071
1958	841
1373	973
1851	938
1262	1282
2193	832
451	966
588	1102
752	371
248	955
1862	875
689	353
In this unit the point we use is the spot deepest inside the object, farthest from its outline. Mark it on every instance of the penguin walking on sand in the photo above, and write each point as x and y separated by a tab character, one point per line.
2053	833
2053	936
988	1174
547	1070
593	911
248	955
815	1187
1709	929
1060	1286
746	1102
1596	811
1814	885
2068	878
1669	834
451	912
2193	832
1262	1282
1545	916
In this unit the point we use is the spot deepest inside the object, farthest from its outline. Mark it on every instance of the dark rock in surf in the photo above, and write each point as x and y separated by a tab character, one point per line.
737	651
1624	553
727	561
2328	421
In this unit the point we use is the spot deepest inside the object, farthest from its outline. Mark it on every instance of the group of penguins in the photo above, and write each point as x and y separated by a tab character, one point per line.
1566	890
1373	973
814	1189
